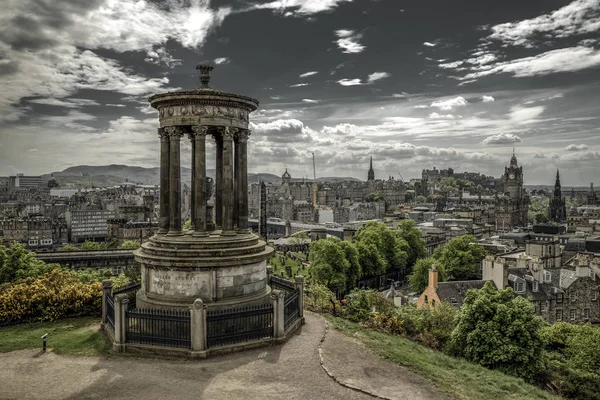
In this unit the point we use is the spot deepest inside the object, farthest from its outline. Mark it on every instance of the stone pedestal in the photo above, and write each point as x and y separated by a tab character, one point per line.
223	271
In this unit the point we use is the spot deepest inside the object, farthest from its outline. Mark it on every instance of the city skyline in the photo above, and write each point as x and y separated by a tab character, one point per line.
413	86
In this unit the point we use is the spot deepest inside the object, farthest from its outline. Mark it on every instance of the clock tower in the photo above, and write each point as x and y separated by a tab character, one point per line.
513	179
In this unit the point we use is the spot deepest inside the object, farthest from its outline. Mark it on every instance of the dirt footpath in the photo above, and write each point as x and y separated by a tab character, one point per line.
291	371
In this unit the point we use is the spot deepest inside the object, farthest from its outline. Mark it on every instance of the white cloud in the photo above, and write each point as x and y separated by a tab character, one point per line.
502	138
350	82
348	41
576	147
115	105
299	85
300	7
525	115
421	106
577	18
69	103
428	44
222	60
375	76
160	56
310	101
402	95
310	73
439	116
487	99
449	103
568	59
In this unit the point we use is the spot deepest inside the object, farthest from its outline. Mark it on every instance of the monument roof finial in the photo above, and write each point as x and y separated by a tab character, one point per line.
204	73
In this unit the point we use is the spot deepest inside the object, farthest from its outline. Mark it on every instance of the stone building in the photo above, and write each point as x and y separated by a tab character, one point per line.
120	230
35	232
557	212
90	224
559	293
453	292
513	205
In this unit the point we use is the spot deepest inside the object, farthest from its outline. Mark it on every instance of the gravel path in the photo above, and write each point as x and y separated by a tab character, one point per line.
291	371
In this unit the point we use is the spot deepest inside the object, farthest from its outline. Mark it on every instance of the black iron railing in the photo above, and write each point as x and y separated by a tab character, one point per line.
128	288
282	284
291	308
110	312
158	327
239	325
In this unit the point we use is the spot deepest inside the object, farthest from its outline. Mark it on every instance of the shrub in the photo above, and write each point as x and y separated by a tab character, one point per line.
500	331
57	294
319	298
432	328
361	304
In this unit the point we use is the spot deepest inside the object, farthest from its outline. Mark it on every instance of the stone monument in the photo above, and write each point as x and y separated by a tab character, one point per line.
219	261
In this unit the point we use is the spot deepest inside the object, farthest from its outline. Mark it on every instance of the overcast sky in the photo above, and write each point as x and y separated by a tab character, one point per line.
415	84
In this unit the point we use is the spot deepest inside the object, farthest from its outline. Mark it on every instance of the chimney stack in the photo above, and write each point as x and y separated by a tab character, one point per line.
433	277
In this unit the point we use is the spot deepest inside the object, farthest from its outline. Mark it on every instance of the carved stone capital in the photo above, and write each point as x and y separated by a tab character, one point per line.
228	132
198	132
243	135
163	135
174	132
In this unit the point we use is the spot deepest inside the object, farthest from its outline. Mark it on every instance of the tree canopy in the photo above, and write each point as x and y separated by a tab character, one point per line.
500	331
416	244
419	278
328	263
460	257
389	244
17	263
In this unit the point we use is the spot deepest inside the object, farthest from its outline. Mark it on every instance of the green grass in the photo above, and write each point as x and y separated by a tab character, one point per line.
278	268
455	377
71	336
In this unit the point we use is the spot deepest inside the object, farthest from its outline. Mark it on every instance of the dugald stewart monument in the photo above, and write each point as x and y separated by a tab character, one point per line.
219	261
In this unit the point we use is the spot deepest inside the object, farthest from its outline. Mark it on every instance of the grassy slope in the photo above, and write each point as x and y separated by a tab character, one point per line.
72	336
456	377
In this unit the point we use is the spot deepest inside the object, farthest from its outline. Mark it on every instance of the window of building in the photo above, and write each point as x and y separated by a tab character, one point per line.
547	276
519	286
535	285
586	313
591	273
572	314
594	294
573	296
559	297
426	299
559	315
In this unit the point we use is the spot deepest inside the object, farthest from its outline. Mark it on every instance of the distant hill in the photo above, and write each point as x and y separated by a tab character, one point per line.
116	174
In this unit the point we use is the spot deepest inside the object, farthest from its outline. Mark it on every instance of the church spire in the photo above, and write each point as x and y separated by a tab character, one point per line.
371	174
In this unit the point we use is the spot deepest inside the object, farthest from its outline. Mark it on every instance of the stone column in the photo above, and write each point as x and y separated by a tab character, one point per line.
164	181
278	299
175	133
106	293
236	180
198	325
300	286
219	180
121	302
199	180
242	181
192	191
227	197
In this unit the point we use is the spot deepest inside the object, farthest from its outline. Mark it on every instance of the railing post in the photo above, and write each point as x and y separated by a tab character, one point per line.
300	288
278	299
198	325
269	274
121	301
106	293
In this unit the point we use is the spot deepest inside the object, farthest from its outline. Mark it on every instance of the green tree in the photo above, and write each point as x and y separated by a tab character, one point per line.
421	199
371	261
419	277
389	243
373	197
328	263
500	331
409	197
129	244
187	224
69	247
540	218
90	245
416	244
16	263
459	257
354	271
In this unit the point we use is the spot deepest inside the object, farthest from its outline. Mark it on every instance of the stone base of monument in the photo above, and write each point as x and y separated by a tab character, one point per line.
225	271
